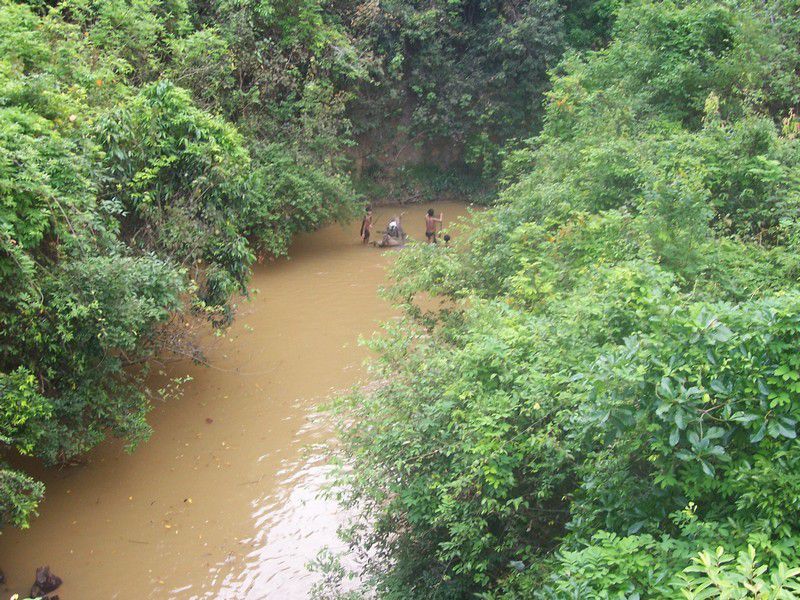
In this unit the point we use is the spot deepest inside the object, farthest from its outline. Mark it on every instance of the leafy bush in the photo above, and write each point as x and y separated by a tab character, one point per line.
177	176
126	200
19	497
290	195
468	75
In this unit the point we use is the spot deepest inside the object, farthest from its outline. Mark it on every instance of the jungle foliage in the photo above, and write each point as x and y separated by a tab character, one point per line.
149	153
460	80
152	150
605	405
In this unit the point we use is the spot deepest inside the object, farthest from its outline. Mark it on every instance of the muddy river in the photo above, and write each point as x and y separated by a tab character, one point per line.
223	501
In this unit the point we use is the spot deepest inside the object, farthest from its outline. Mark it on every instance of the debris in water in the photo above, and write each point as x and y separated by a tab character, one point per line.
209	420
45	582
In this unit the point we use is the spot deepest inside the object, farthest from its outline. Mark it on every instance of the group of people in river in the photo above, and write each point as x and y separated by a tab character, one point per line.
394	235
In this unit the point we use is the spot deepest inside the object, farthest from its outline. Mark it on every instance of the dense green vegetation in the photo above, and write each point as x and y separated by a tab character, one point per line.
149	152
460	80
606	406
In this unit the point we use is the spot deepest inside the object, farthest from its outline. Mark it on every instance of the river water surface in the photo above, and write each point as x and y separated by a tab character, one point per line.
223	501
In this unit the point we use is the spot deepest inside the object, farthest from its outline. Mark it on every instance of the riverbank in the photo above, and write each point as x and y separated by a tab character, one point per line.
223	501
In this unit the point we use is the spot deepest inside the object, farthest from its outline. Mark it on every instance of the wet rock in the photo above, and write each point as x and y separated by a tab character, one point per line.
45	582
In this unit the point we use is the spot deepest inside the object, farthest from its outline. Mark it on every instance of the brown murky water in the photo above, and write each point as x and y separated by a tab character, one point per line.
228	509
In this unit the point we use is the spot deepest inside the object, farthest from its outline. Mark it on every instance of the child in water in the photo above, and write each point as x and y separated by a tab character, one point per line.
366	225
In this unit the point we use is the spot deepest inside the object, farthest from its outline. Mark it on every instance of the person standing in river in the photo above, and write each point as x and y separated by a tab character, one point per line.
430	225
366	225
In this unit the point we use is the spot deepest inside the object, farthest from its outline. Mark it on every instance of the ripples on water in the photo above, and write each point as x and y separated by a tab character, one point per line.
224	501
292	525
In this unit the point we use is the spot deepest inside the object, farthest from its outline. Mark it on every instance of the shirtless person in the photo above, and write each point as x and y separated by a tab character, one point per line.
366	225
430	225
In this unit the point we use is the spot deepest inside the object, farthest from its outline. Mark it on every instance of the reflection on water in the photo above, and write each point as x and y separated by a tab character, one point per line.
292	525
223	501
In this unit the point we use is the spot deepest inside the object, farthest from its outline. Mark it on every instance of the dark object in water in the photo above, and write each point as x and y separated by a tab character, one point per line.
389	241
394	235
2	577
45	582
